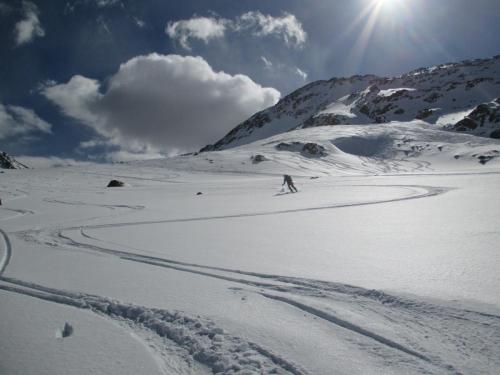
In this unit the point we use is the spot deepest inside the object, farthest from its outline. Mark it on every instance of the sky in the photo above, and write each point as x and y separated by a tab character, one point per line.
117	80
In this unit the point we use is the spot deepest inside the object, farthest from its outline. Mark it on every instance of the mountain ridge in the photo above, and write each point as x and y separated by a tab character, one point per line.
443	95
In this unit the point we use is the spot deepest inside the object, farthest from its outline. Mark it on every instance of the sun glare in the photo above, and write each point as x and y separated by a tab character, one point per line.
385	4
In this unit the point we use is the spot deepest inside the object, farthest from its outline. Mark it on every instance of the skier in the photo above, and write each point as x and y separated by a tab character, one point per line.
288	180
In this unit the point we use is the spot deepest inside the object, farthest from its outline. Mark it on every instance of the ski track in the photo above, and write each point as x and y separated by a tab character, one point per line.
329	290
429	191
205	343
79	203
167	179
7	251
232	353
19	212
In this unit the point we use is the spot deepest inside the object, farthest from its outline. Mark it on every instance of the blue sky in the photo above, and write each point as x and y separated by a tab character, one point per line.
122	79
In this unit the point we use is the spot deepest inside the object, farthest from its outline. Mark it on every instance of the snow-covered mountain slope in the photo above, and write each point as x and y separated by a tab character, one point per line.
441	95
387	148
385	262
8	162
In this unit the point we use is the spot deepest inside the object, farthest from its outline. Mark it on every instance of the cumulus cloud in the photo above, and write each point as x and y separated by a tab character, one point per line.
203	28
29	27
76	99
286	27
163	101
16	121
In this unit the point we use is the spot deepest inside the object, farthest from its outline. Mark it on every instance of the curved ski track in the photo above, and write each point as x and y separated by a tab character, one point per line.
429	191
168	325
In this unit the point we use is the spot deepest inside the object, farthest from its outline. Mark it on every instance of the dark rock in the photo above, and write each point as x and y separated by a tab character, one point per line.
8	162
67	330
495	134
258	158
199	193
465	124
293	146
399	111
314	149
116	183
432	98
424	113
483	159
324	119
365	110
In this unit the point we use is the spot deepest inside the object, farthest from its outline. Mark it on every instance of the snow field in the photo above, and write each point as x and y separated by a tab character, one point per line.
380	264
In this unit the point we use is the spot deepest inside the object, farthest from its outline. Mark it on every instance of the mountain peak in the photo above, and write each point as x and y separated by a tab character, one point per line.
442	95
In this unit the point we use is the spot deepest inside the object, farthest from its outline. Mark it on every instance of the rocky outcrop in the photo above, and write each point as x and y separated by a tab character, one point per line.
308	149
314	149
116	183
484	120
8	162
256	159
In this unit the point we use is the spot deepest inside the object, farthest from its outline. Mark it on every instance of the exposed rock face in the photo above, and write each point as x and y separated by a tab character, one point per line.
426	94
465	124
495	134
8	162
424	113
290	146
484	120
256	159
313	149
116	183
307	149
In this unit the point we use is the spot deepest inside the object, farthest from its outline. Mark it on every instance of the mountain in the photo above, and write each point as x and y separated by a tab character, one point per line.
443	95
8	162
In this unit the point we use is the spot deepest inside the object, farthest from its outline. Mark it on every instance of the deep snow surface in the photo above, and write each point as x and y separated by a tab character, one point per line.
386	261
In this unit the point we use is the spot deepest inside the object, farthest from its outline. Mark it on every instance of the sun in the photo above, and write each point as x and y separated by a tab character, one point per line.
385	3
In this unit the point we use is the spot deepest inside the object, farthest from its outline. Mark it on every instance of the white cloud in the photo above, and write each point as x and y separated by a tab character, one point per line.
163	101
16	121
301	73
29	27
75	98
107	3
124	156
267	63
286	27
203	28
256	23
140	23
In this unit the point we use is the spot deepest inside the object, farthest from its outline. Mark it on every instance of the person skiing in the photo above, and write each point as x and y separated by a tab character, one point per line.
288	180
